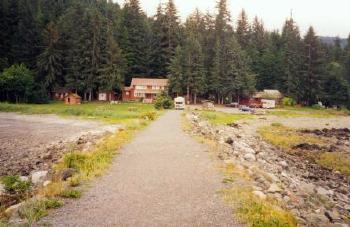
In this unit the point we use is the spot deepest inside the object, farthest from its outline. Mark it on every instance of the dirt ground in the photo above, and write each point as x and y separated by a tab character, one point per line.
29	142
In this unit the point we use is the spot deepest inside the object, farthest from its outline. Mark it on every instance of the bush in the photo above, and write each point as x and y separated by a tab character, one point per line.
149	116
163	101
14	185
288	101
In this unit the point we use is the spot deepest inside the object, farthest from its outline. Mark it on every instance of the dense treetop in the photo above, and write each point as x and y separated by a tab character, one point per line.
94	45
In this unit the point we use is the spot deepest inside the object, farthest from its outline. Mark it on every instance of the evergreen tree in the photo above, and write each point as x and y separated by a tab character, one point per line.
311	82
243	30
176	69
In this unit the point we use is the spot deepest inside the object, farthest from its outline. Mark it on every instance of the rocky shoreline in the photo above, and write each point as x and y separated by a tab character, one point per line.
316	196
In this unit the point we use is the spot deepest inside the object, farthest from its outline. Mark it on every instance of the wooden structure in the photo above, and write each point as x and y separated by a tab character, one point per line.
106	96
60	93
263	99
72	99
144	89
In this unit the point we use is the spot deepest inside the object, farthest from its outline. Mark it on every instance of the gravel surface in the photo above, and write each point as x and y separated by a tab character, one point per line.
24	139
162	178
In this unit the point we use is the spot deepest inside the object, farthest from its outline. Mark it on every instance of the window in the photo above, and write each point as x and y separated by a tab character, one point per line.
141	87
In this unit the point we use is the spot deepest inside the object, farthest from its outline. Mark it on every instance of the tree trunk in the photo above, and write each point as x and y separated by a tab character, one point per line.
195	98
188	94
90	95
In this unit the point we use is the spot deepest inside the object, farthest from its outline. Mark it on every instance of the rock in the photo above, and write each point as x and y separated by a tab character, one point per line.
24	178
249	157
322	191
2	189
307	187
67	173
339	225
259	194
347	207
9	211
39	177
274	188
317	220
333	216
46	183
229	140
284	164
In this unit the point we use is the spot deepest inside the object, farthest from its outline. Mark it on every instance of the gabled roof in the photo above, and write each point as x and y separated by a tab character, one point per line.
148	82
269	94
74	95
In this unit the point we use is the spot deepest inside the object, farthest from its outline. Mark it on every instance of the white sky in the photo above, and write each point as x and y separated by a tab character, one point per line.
329	18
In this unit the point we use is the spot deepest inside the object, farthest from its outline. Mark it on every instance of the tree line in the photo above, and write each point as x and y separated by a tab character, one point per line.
94	45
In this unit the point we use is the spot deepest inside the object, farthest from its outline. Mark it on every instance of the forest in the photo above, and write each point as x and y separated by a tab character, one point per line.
94	45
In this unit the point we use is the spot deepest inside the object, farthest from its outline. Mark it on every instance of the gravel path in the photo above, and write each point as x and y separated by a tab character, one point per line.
162	178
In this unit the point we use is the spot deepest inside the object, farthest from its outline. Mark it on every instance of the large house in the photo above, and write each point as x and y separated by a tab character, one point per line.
144	89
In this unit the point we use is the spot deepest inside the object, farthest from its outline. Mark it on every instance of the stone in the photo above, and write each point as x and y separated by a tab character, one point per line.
39	177
307	187
24	178
67	173
322	191
347	207
284	164
9	211
339	225
2	189
333	216
259	194
46	183
249	157
229	140
317	220
274	188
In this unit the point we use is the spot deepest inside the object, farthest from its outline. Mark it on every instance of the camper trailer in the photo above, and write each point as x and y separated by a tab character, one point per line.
179	103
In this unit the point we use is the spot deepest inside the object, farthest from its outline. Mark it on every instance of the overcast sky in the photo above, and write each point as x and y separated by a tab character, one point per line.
329	18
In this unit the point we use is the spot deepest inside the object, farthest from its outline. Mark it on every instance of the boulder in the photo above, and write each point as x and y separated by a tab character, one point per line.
39	177
307	187
322	191
284	164
24	178
259	194
249	157
274	188
46	183
2	189
67	173
12	209
333	216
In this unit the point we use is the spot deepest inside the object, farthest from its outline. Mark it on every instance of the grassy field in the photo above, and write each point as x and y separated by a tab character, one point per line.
220	118
119	113
292	112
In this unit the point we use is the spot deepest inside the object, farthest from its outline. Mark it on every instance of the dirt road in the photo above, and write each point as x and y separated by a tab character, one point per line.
162	178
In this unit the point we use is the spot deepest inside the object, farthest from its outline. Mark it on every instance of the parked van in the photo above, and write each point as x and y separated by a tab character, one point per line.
179	103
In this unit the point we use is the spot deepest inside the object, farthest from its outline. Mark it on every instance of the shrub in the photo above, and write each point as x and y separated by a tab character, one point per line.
163	101
287	101
149	116
71	193
14	185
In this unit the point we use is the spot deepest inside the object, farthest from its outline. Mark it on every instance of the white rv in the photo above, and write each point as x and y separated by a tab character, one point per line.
179	103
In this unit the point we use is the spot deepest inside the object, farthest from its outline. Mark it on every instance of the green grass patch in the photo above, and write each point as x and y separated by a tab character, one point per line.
14	185
33	210
220	118
294	112
119	113
71	193
285	137
335	161
257	212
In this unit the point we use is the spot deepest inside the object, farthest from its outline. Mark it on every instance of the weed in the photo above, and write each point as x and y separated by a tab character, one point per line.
53	189
35	209
336	161
71	193
14	185
74	181
257	212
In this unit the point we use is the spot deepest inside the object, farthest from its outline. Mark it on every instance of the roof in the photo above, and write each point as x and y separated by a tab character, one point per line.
149	82
269	94
74	95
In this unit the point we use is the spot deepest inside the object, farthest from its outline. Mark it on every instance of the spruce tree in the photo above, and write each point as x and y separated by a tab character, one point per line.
243	30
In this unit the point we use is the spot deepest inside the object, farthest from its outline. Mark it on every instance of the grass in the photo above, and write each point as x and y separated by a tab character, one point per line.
119	113
294	112
35	209
335	161
220	118
285	137
255	211
71	193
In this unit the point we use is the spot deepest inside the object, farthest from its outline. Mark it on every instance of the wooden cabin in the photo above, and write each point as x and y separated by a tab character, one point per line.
72	99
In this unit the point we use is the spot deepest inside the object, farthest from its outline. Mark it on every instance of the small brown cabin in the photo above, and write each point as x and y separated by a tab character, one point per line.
72	99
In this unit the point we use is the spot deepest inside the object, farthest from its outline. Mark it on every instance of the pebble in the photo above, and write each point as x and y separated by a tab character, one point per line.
249	157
